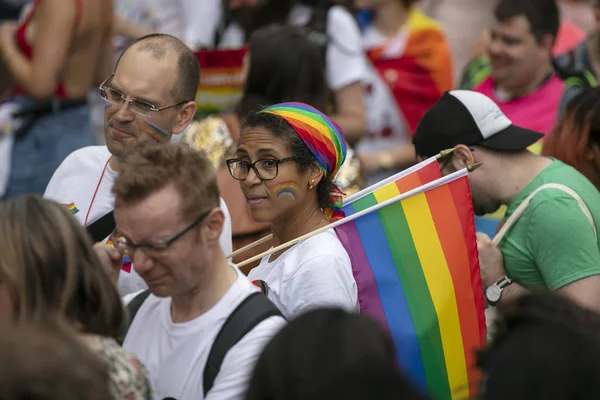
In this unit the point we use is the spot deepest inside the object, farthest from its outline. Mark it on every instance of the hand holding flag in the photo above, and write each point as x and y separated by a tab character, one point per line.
111	259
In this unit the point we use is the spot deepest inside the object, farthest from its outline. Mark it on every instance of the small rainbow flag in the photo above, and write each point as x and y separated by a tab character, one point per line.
126	260
416	266
71	207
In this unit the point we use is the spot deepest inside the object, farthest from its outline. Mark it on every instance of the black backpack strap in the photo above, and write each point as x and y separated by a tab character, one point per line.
253	310
102	227
132	308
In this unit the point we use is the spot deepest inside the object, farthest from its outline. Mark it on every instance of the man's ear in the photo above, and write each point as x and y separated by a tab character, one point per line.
185	116
214	222
462	157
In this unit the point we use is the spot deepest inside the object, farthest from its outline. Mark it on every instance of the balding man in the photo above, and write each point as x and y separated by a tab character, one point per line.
149	97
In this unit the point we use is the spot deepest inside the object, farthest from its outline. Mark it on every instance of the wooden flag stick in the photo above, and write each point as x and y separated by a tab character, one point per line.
410	193
251	245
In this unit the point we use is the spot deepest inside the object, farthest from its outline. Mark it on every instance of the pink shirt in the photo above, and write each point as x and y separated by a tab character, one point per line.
537	111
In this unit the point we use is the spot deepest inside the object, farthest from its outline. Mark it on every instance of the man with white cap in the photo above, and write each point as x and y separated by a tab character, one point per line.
549	238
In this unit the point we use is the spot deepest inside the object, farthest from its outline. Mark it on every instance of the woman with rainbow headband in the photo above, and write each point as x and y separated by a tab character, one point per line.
287	157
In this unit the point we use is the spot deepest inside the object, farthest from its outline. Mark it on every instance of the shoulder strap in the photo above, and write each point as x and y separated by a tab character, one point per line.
523	206
102	227
132	308
253	310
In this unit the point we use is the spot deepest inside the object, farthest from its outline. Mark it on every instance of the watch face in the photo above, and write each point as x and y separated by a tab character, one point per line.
493	293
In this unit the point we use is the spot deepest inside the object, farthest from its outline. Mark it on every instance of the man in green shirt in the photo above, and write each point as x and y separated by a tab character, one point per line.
554	243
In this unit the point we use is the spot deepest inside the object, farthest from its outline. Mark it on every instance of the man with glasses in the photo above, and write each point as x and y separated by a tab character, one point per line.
149	97
201	325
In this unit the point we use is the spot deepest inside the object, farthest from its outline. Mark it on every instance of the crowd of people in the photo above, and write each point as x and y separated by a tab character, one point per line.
124	211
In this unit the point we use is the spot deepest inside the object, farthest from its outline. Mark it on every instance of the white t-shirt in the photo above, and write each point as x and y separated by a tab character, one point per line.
175	354
156	15
314	273
76	180
189	20
345	60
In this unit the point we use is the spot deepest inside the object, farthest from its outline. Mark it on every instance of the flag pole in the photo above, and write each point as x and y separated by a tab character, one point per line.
251	245
410	193
440	155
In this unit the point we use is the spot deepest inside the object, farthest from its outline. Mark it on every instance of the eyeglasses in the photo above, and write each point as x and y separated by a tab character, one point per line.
113	96
266	169
160	246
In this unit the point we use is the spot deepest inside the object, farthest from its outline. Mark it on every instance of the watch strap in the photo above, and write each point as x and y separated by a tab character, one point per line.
504	282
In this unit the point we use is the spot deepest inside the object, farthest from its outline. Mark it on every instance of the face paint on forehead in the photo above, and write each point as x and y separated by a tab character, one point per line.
289	189
156	132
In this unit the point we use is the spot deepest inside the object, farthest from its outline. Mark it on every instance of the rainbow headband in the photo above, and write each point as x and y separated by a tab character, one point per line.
322	136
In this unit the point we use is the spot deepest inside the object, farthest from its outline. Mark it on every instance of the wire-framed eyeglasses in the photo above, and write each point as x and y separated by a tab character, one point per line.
116	97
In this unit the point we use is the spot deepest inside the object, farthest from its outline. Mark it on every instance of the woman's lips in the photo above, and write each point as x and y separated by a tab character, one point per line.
255	200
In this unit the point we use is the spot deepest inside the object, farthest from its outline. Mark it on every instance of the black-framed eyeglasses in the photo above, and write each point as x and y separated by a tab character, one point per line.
265	169
157	247
114	96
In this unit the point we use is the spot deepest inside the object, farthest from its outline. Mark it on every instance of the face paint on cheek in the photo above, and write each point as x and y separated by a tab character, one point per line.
156	132
107	106
289	189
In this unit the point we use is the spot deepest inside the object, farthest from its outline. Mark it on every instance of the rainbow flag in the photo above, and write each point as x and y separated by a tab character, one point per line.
112	239
71	207
416	65
221	81
416	266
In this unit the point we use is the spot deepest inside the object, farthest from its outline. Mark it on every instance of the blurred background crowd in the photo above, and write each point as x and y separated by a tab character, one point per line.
374	68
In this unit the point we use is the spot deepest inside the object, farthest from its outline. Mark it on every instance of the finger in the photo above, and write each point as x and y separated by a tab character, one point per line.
483	238
114	253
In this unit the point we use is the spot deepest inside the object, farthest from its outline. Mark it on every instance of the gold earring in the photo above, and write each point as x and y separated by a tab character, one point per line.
312	184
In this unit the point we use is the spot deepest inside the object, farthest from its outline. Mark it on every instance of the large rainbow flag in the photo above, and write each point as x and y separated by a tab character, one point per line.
416	65
416	265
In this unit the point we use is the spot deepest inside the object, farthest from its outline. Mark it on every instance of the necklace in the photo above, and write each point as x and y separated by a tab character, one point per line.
96	192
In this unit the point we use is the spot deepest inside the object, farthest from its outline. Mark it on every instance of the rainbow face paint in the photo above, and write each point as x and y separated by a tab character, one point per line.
289	189
156	132
71	207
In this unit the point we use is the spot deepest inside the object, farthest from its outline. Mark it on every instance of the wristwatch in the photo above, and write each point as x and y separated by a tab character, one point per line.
493	293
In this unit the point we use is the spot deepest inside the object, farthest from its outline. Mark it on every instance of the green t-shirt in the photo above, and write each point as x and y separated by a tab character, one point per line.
553	243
